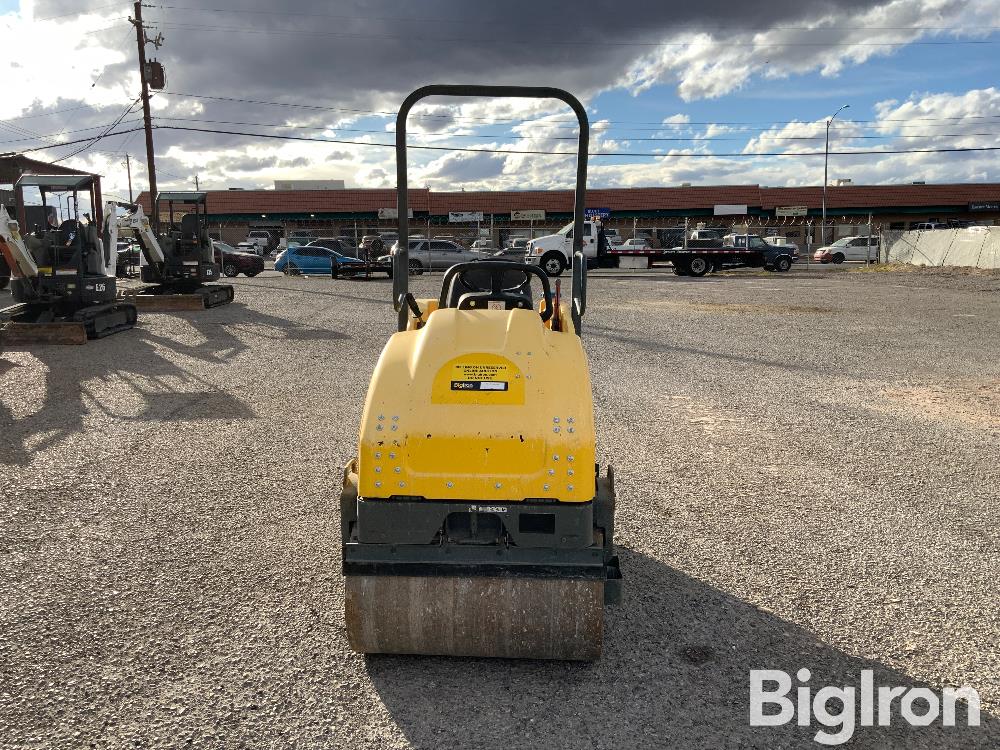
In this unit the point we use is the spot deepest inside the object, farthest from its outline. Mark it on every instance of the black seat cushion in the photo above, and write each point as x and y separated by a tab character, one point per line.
189	226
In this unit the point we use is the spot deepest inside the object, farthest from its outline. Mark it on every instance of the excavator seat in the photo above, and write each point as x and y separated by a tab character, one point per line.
189	227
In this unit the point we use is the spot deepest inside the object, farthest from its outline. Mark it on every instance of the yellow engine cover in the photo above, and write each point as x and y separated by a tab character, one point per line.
479	405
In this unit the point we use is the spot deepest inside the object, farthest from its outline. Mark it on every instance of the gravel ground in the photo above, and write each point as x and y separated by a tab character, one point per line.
807	477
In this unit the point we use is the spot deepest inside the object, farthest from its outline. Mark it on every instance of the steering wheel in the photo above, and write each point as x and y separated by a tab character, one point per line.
493	281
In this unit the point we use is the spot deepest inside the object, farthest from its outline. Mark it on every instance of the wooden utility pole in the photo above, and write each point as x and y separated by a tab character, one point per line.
128	169
140	37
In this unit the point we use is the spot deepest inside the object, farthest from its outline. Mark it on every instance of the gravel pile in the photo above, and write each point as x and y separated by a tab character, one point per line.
807	476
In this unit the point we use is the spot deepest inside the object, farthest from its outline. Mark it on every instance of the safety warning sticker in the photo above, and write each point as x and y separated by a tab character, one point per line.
479	385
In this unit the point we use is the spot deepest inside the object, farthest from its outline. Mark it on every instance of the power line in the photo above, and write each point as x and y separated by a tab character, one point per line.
110	127
53	112
66	132
488	22
660	125
503	136
557	42
67	143
593	153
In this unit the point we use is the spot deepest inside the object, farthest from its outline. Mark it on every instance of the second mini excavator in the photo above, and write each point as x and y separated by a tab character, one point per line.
179	263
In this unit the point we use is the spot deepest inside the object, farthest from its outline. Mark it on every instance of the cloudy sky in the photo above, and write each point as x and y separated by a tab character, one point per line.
704	92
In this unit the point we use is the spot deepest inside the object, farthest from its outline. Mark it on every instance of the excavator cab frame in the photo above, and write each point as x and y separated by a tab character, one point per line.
180	262
63	278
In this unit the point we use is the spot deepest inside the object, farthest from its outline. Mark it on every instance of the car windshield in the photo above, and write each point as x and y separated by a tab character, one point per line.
842	242
225	248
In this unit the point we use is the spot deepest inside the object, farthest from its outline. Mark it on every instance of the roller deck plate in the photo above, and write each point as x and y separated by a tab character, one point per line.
509	617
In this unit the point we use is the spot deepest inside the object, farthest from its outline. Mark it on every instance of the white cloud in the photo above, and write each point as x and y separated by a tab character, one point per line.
85	46
704	66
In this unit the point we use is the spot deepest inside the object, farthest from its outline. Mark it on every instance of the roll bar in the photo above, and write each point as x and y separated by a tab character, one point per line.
400	261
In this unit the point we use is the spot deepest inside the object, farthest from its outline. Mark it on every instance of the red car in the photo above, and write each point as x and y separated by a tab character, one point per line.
233	262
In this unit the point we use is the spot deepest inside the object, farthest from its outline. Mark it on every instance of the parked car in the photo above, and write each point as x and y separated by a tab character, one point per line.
637	243
263	239
931	225
333	243
302	236
249	247
234	261
336	244
433	255
483	246
786	244
513	254
312	259
848	248
778	257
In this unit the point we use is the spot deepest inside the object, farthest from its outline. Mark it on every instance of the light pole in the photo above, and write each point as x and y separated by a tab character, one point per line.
826	164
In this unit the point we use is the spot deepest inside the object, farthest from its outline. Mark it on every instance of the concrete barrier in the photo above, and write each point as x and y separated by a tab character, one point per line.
973	247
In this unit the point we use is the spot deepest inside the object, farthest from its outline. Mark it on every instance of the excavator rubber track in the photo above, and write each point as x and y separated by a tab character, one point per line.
100	321
166	299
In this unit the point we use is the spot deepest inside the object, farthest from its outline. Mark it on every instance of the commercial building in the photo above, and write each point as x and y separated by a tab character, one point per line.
308	184
794	211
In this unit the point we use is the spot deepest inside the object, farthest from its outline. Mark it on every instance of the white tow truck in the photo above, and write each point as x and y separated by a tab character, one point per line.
553	251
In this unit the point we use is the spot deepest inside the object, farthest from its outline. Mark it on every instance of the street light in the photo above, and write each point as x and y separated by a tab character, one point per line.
826	163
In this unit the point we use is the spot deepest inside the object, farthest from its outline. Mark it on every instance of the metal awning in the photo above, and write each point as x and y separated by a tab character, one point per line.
54	182
184	196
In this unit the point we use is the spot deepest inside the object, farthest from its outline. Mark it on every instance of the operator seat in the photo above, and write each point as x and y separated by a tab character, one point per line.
189	227
474	288
68	245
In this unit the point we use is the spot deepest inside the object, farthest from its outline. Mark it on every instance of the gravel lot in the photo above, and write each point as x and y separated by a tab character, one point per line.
807	476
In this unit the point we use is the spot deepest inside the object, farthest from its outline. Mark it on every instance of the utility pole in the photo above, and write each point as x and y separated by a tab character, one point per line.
128	168
826	162
140	37
196	182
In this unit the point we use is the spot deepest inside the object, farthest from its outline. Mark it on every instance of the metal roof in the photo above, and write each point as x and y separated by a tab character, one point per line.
13	166
53	182
182	196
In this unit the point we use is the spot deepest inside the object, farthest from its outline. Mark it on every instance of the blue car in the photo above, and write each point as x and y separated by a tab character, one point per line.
313	259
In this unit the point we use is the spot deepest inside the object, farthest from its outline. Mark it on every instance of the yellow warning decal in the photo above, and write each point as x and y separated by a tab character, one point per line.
478	379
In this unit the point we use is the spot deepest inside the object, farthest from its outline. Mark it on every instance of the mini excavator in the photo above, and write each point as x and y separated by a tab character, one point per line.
179	263
62	278
474	519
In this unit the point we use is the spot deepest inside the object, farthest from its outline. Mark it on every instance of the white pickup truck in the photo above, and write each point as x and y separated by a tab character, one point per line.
553	251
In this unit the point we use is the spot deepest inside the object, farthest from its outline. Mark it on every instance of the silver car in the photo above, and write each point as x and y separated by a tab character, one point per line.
435	255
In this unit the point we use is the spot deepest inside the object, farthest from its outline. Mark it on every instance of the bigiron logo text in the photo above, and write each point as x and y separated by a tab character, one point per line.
864	705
